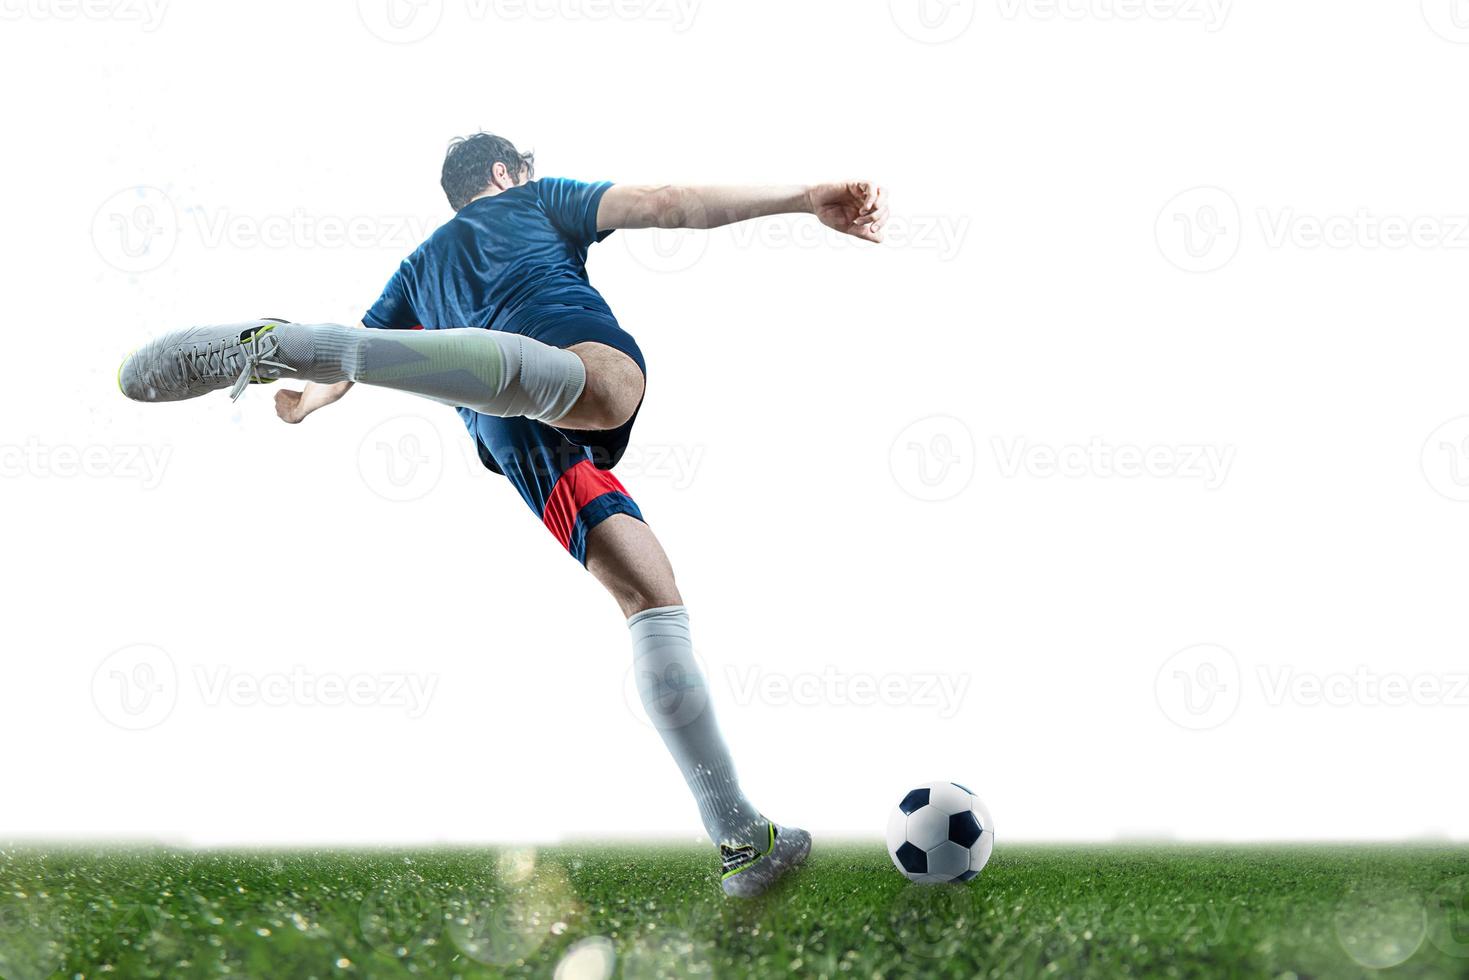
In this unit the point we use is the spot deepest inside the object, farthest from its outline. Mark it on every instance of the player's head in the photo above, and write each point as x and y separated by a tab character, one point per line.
475	164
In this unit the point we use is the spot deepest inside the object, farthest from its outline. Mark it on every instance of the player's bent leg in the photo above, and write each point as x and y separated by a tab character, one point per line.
490	371
625	556
613	390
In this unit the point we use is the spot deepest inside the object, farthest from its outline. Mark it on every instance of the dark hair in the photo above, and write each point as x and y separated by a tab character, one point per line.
471	161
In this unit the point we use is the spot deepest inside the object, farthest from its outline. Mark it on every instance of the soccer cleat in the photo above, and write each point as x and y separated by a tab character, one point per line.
194	362
751	870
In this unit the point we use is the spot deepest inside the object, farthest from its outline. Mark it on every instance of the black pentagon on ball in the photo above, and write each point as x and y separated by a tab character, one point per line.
913	860
966	876
964	830
913	801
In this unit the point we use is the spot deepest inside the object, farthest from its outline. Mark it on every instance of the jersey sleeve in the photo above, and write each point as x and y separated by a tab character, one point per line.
393	310
572	207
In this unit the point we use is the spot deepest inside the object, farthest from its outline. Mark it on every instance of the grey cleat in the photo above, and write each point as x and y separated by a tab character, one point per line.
194	362
750	870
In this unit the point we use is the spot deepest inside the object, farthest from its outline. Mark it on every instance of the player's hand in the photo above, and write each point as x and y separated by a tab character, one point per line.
289	406
858	208
292	406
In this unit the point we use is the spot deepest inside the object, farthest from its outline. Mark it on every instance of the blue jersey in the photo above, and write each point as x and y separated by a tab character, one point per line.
502	262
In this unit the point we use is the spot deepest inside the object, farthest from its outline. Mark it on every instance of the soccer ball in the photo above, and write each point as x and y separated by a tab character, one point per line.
940	832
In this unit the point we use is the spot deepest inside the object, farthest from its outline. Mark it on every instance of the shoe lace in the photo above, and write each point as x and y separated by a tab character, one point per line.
217	360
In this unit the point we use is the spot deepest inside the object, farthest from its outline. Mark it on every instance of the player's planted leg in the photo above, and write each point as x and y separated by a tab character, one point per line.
626	557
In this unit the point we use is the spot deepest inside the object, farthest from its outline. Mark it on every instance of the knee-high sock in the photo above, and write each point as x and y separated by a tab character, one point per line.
490	371
677	701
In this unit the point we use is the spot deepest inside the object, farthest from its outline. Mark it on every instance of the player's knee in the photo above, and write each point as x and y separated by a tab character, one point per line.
634	597
614	388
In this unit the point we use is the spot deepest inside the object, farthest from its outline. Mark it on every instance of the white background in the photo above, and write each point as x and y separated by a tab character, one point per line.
1128	237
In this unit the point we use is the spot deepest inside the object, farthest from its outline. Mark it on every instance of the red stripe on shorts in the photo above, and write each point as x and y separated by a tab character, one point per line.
576	488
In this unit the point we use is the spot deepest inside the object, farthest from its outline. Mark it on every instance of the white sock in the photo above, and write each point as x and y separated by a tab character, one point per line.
677	701
490	371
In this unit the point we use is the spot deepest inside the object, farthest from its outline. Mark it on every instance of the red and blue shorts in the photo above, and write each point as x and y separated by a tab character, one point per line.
563	475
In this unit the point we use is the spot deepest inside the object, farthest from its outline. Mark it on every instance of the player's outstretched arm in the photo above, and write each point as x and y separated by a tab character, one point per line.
857	208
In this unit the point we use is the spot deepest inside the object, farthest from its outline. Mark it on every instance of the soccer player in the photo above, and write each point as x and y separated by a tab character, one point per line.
494	315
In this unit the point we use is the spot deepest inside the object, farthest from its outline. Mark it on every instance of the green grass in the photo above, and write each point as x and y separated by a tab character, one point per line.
1035	911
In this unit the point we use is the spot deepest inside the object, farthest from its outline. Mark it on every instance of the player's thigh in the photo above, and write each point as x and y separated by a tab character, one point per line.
614	388
624	555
